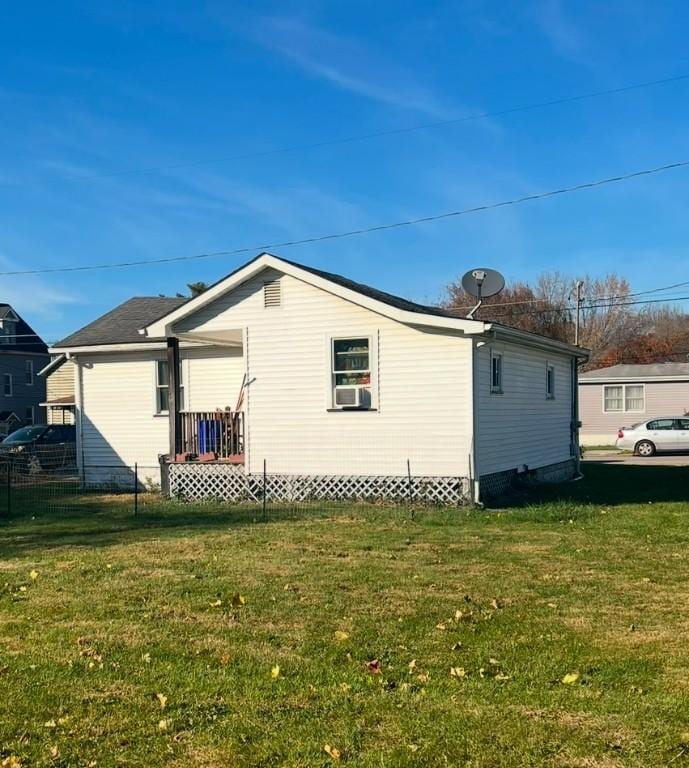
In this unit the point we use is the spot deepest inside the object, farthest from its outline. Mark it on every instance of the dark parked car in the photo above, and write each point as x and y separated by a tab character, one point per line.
42	446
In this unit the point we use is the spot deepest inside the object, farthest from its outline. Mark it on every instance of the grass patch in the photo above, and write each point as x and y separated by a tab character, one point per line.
128	645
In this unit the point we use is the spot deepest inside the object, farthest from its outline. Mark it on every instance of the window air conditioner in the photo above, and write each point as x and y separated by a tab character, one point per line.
348	396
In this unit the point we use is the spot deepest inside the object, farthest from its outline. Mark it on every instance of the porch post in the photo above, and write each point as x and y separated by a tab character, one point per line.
174	397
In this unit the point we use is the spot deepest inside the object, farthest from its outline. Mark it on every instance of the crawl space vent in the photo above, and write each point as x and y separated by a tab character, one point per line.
271	293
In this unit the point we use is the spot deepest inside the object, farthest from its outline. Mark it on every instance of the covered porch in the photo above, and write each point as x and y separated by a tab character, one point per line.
205	435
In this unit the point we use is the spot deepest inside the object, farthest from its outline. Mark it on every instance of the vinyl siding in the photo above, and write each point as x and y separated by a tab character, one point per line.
520	426
119	424
60	383
23	395
662	399
421	385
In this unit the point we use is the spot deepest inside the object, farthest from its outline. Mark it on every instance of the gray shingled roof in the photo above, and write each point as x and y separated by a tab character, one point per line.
649	371
121	325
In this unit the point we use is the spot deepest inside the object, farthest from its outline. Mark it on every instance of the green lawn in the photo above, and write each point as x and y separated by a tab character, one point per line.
442	641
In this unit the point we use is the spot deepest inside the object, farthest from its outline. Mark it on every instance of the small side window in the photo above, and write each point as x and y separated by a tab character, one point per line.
496	373
28	373
7	384
550	382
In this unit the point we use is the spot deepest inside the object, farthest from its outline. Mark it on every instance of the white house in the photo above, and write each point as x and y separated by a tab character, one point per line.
326	385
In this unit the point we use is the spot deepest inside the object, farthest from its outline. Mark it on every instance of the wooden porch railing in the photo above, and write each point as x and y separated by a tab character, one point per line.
218	432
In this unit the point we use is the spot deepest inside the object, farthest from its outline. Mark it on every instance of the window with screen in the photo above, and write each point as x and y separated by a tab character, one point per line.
351	372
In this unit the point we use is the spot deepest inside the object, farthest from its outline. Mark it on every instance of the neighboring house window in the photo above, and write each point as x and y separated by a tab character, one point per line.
28	373
163	388
550	382
496	372
8	332
624	398
29	417
351	373
7	384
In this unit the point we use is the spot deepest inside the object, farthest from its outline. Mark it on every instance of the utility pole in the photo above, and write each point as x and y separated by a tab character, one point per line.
579	298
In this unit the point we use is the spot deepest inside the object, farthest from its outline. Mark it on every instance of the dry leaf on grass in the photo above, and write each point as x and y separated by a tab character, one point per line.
275	672
341	636
373	666
570	678
33	575
162	699
238	600
333	752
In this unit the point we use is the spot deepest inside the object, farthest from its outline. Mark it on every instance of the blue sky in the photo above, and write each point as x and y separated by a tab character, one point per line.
113	90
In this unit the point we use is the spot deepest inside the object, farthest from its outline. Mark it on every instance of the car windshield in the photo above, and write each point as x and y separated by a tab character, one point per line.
24	435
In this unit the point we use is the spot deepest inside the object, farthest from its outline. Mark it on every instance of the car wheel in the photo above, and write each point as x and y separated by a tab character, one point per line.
645	448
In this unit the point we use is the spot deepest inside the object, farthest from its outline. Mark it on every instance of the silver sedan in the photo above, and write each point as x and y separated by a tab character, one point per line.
666	433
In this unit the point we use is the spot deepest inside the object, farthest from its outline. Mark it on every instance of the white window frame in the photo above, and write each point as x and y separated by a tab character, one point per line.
497	389
372	386
158	385
549	391
624	408
28	373
7	379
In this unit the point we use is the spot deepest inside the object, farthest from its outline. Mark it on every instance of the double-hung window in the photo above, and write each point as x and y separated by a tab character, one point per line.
163	387
496	372
29	417
28	373
7	384
624	398
351	372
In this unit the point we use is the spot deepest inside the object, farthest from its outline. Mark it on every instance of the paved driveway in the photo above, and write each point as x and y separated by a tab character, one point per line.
659	460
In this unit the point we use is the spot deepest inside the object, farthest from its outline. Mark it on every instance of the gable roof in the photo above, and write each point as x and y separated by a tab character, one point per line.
154	319
647	371
27	339
121	325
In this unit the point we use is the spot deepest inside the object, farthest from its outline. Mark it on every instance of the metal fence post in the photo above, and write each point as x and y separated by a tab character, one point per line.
411	490
9	485
136	488
264	490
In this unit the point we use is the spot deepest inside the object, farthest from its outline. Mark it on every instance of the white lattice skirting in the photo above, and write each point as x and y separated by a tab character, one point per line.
225	482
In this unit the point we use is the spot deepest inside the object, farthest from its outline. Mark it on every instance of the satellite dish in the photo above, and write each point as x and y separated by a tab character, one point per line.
483	282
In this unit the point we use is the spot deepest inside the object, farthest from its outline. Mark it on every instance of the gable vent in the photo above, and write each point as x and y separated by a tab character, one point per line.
271	293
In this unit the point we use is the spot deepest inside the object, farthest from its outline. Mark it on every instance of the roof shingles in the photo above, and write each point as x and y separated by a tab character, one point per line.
121	325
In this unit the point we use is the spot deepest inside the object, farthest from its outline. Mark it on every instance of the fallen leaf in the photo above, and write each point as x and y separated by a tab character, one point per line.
162	699
163	725
495	604
373	666
216	604
275	672
146	658
54	751
413	747
570	678
225	659
238	600
500	676
12	762
341	636
332	751
344	687
494	662
412	665
457	646
33	575
50	724
443	626
458	672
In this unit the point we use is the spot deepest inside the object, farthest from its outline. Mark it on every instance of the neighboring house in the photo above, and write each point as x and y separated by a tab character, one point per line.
622	395
321	382
59	379
22	355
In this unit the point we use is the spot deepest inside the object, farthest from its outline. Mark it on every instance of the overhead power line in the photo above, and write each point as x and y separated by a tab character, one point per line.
374	134
361	231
